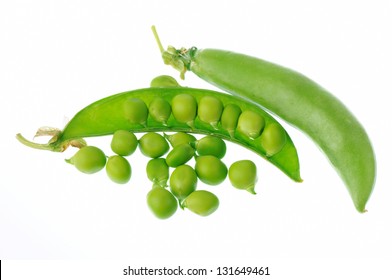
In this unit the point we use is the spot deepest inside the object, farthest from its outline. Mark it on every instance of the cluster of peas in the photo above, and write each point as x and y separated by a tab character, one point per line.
179	187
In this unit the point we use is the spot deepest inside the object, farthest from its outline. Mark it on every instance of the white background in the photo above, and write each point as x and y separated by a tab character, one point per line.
56	57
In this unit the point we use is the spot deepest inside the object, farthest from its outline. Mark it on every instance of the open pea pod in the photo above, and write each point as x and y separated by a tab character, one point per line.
178	109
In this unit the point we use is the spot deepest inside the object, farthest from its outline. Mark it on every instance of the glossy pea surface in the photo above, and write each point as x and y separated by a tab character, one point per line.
183	181
164	81
124	143
160	110
201	202
180	155
230	116
118	169
273	139
161	202
88	159
184	107
210	170
250	124
210	145
153	145
158	171
243	175
135	110
210	110
180	138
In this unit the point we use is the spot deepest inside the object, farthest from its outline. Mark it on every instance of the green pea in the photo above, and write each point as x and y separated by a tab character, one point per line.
184	108
183	181
210	170
118	169
124	143
250	124
273	139
88	159
136	111
201	202
180	155
158	171
180	138
243	175
161	202
164	81
153	145
210	110
210	145
160	110
229	119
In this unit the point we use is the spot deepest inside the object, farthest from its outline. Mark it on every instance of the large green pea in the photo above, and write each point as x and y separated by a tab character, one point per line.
230	116
273	139
243	175
250	124
160	110
210	170
210	110
201	202
153	145
183	181
89	159
210	145
161	202
136	111
118	169
158	171
184	108
180	138
164	81
123	143
180	155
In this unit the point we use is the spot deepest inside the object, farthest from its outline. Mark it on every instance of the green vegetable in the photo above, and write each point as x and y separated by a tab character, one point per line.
118	169
183	181
243	175
201	202
124	143
161	202
89	159
296	99
210	145
164	81
106	116
158	171
179	138
210	170
180	155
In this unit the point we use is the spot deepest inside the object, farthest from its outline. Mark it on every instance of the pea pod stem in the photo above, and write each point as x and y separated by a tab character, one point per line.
108	115
296	99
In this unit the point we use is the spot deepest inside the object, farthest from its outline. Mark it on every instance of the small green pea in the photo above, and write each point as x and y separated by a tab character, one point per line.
201	202
161	202
153	145
273	139
210	110
210	145
164	81
229	119
124	143
158	171
118	169
89	159
210	170
160	110
180	155
184	108
180	138
183	181
136	111
243	175
250	124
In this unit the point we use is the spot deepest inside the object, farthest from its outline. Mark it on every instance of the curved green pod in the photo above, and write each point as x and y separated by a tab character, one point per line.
108	115
296	99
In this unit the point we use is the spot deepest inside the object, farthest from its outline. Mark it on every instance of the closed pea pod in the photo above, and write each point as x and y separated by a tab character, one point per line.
210	110
201	202
88	159
106	116
118	169
158	171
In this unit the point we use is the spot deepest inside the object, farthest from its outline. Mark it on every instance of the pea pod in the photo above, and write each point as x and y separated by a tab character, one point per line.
296	99
110	114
